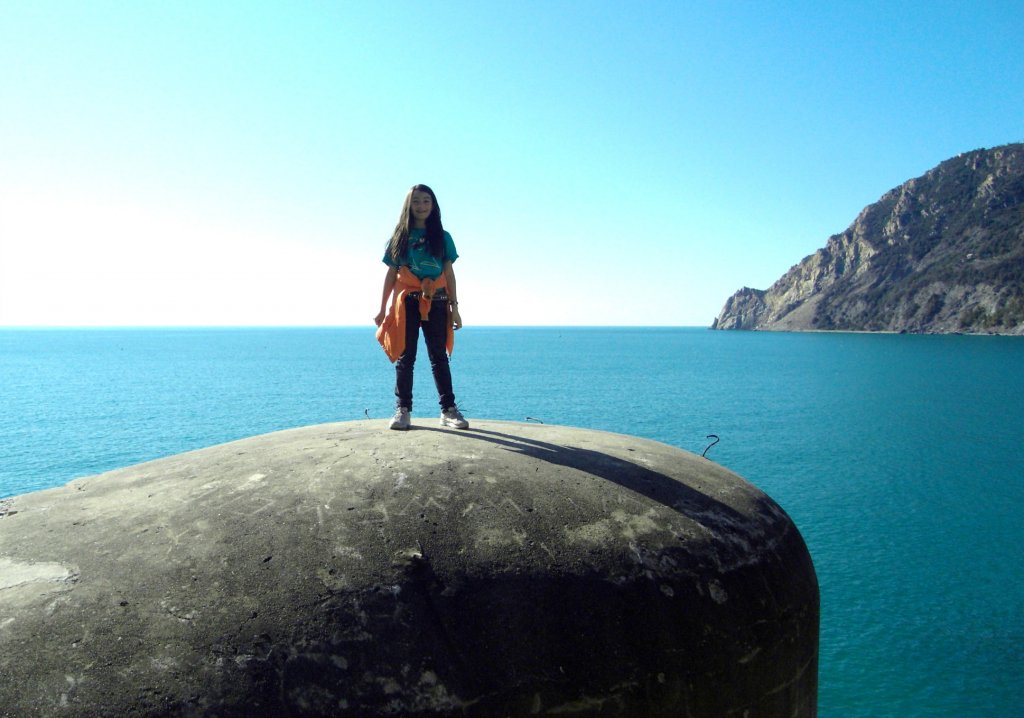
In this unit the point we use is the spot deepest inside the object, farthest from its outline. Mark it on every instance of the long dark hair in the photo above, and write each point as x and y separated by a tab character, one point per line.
399	244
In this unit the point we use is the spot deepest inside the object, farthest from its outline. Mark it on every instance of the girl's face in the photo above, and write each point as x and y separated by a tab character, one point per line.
422	206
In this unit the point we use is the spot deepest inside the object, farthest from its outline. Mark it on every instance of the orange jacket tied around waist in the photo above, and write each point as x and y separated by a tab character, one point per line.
391	332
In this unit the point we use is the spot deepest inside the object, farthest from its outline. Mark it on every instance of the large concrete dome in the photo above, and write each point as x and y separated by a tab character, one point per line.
345	570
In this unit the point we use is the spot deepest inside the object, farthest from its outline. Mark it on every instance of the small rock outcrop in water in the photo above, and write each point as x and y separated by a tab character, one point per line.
941	253
348	570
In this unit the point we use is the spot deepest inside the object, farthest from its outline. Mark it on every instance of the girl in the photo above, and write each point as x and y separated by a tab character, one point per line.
419	258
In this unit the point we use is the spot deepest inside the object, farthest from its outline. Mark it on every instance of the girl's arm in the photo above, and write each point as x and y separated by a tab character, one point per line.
453	295
389	285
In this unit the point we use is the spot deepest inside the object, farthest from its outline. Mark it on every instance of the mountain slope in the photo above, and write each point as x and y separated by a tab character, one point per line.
941	253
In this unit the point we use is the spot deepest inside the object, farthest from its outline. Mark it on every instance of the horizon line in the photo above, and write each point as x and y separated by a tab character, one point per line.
86	327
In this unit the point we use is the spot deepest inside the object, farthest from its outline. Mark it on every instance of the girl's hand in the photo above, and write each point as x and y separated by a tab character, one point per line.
456	319
379	319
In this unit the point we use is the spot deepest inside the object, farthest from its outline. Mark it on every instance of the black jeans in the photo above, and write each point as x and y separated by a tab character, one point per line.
435	334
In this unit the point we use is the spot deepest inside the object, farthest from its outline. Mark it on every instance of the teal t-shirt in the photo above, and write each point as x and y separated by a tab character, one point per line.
422	263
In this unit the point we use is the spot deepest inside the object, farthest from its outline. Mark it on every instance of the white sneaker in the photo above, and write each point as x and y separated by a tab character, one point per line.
400	420
452	418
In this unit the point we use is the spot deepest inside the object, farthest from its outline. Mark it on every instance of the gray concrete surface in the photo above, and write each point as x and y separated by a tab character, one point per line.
344	569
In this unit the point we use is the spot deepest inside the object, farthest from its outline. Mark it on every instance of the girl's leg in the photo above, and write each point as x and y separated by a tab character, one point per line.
435	334
404	365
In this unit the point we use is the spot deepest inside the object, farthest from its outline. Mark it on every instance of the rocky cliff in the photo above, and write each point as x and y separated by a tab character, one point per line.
941	253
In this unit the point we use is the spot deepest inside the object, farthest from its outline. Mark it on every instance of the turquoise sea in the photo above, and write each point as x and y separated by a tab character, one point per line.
899	457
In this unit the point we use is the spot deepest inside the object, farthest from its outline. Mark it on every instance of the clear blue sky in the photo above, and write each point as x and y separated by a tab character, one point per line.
243	163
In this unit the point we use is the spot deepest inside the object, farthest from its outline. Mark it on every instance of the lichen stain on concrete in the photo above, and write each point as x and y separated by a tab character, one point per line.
633	526
400	481
252	482
496	537
718	594
621	524
595	533
18	573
